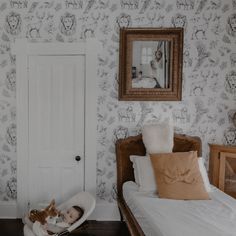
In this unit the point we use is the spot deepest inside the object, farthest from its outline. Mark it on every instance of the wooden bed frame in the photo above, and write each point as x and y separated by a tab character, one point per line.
134	146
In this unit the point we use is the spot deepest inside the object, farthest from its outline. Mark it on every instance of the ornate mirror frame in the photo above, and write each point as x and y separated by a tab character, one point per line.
132	51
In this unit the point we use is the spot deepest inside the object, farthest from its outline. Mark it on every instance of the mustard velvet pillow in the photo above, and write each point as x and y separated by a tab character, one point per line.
178	176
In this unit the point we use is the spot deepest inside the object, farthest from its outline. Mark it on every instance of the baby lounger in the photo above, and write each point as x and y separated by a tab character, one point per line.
83	199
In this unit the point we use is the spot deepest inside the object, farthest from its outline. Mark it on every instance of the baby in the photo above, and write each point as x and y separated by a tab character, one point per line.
72	214
51	221
64	219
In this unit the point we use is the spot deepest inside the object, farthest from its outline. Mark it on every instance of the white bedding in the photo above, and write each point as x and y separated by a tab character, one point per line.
163	217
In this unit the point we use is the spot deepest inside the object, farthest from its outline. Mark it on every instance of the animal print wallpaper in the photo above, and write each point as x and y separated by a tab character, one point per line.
208	106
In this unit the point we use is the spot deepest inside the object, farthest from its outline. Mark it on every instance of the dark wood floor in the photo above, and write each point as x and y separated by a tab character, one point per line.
14	227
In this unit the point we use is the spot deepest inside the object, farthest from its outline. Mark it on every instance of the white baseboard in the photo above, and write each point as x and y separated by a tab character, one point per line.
105	212
8	210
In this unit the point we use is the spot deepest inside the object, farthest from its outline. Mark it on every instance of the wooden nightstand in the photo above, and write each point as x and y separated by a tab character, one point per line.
222	168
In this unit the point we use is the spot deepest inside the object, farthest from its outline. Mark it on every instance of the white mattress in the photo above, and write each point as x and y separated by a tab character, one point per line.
163	217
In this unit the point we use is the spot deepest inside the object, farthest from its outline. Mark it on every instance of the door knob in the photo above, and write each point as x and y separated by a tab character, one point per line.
77	158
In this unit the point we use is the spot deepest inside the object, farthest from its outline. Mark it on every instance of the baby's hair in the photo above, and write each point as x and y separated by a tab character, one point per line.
79	210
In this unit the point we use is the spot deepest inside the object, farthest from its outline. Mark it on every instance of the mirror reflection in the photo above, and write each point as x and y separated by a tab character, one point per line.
151	64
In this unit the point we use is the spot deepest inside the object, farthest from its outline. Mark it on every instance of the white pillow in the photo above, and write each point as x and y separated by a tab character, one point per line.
136	176
204	174
158	138
143	173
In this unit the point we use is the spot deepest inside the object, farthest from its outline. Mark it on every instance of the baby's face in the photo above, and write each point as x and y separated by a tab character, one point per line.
71	215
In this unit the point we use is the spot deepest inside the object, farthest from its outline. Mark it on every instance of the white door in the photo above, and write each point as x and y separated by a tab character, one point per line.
56	127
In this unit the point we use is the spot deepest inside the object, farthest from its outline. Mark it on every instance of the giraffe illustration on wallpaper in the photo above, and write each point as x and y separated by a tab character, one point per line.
230	83
187	60
145	111
203	54
11	135
89	6
11	188
11	79
231	25
201	5
232	116
200	110
158	4
233	59
215	4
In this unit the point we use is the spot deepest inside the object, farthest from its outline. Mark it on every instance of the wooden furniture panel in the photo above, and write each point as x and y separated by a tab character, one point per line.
227	173
214	162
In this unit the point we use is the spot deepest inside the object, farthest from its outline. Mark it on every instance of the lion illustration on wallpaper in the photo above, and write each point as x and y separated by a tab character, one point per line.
13	23
67	24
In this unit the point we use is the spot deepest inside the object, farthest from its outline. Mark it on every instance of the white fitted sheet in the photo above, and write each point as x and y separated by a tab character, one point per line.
164	217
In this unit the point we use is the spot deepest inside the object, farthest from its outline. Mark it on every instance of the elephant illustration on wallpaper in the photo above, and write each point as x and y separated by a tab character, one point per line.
129	4
126	114
185	4
74	4
18	3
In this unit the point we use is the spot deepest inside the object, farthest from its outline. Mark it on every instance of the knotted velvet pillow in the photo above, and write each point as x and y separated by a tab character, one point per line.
178	176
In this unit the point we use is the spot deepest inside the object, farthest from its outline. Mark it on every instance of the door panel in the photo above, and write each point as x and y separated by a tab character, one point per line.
56	127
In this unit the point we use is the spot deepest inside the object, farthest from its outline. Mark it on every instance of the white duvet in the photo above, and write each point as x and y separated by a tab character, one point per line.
163	217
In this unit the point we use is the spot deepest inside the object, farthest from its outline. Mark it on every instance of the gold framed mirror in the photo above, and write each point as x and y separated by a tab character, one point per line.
150	64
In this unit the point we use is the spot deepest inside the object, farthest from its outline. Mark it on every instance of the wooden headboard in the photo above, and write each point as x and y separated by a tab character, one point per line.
134	146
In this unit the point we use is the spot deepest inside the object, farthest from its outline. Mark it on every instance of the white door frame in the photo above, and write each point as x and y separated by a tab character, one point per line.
23	50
